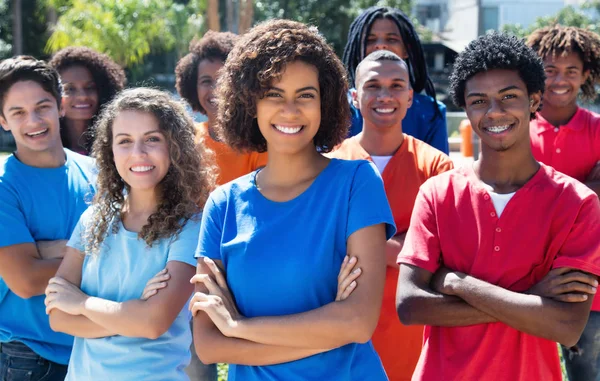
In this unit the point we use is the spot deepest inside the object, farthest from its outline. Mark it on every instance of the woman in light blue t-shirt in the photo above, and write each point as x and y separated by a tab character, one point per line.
145	217
281	233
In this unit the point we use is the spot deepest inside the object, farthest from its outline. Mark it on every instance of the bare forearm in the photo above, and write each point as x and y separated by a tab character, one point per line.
330	326
40	273
213	347
425	307
77	325
532	314
52	249
125	319
392	248
594	186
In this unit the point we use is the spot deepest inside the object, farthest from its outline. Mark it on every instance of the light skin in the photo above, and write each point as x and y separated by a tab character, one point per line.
564	77
207	78
385	35
383	95
141	157
293	104
558	306
80	102
28	110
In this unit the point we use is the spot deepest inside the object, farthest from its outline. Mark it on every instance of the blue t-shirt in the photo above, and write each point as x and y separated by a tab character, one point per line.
283	258
417	123
39	204
119	272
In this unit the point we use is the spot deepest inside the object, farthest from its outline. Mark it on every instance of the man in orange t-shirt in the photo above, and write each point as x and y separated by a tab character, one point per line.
383	95
196	75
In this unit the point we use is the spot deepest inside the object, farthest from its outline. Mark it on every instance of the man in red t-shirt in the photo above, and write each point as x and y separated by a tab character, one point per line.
488	244
567	137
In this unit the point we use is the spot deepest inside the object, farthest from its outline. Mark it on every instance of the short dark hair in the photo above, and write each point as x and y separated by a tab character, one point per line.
381	55
354	50
496	51
562	40
27	68
214	46
261	56
108	76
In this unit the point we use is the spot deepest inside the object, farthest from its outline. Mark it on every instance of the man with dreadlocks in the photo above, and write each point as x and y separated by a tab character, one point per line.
567	137
385	28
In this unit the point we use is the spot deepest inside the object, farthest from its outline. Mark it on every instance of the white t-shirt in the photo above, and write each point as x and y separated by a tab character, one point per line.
500	200
381	162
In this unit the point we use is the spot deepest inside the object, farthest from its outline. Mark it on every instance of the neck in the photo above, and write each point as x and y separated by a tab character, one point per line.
75	128
378	141
210	126
287	170
558	116
506	171
141	202
51	158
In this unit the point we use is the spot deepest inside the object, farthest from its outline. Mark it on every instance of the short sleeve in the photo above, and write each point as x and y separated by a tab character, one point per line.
444	165
77	241
368	203
581	249
183	248
209	241
422	245
14	225
438	135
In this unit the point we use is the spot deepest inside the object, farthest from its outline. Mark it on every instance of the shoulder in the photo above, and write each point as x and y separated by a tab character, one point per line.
565	187
422	149
12	177
86	163
233	189
592	118
346	150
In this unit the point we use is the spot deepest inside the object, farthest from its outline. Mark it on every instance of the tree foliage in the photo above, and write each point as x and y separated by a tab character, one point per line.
568	16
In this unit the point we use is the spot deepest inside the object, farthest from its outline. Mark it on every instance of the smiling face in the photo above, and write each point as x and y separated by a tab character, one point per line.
383	93
385	35
80	100
498	107
207	78
564	78
31	114
141	151
289	114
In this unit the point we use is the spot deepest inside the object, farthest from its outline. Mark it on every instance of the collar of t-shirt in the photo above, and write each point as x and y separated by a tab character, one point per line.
500	200
576	123
381	162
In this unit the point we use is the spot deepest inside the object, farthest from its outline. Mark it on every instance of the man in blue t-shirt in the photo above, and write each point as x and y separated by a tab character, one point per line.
43	192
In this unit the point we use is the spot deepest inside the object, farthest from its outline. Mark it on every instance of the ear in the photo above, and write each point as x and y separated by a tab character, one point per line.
354	95
410	97
535	99
61	109
586	75
4	124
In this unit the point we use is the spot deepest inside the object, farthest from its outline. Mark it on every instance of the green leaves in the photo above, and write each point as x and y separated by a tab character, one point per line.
568	16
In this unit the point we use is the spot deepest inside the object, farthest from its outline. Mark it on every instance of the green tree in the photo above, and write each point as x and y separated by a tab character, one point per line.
5	47
568	16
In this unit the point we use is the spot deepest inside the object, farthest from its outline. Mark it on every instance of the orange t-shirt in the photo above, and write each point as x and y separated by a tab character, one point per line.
231	164
413	163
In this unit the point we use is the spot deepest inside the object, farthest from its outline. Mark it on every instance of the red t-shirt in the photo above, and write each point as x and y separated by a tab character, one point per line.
552	221
573	149
413	163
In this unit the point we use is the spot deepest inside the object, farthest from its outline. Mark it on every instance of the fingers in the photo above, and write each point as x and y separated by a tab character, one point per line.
201	302
571	298
347	266
58	280
152	290
575	287
161	276
347	291
346	282
217	272
580	277
208	282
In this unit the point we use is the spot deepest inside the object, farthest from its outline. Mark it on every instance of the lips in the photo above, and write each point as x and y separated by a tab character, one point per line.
288	129
498	128
37	133
387	110
142	168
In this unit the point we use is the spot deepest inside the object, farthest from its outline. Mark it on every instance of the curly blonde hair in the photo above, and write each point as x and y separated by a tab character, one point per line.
186	186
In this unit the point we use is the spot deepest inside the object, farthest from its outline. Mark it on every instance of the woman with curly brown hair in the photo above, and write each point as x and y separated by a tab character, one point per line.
282	233
90	80
152	184
196	75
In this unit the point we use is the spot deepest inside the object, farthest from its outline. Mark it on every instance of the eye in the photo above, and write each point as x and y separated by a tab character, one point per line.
307	96
154	139
272	94
509	96
477	102
124	141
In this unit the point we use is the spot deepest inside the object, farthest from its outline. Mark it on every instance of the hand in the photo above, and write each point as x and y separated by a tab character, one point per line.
51	249
444	281
65	296
566	285
218	303
347	278
158	282
594	173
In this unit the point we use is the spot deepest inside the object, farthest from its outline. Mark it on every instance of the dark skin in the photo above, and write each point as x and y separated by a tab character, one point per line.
498	106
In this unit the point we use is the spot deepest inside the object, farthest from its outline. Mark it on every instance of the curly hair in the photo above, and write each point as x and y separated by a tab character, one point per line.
27	68
187	184
562	40
212	46
259	58
496	51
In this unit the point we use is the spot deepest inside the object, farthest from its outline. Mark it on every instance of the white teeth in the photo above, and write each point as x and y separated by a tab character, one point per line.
37	133
384	110
82	106
288	130
497	129
142	168
560	92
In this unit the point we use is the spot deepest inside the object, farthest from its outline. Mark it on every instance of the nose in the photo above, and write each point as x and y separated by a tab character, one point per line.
495	110
381	45
289	109
384	94
34	118
139	149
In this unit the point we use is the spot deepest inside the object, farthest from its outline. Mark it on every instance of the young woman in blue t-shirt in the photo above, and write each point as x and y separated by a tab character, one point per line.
281	233
152	183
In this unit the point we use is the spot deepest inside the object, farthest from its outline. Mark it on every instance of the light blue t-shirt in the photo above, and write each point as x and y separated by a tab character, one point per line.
283	258
39	204
119	272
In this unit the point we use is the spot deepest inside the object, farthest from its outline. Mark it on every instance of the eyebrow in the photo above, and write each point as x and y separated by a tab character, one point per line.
297	91
394	79
513	87
568	67
146	133
45	100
